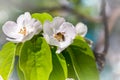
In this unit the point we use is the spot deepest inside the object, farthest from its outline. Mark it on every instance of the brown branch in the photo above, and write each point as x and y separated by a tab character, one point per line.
71	10
100	57
106	32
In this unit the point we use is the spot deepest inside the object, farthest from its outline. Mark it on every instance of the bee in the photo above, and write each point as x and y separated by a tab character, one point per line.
60	36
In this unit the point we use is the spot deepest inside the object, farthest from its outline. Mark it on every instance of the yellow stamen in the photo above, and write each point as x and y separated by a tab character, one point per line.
23	31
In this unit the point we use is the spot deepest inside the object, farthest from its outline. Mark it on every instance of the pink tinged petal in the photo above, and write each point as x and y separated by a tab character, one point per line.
47	28
81	29
10	29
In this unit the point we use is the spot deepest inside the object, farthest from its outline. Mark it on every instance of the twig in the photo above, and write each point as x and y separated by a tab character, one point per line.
106	32
100	57
71	10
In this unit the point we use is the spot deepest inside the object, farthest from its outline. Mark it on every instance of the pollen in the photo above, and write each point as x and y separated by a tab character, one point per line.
60	36
23	31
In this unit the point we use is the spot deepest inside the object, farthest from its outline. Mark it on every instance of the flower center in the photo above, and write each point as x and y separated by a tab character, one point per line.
60	36
23	31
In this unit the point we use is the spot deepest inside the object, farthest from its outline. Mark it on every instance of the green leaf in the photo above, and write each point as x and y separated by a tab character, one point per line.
71	72
63	63
18	48
36	59
20	73
83	61
42	17
59	67
7	56
83	46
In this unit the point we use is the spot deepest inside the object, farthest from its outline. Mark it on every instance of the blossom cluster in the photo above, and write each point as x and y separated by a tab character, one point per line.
57	32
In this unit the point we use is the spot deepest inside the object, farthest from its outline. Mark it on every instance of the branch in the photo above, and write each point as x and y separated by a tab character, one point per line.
105	22
71	10
100	57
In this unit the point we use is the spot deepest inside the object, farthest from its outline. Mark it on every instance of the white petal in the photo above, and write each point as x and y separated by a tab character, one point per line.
28	37
69	29
10	29
81	29
69	35
24	19
1	77
47	38
50	40
20	20
14	40
66	43
57	22
47	28
38	27
30	23
27	15
59	50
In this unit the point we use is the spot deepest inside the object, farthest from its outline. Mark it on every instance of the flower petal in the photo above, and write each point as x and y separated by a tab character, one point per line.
59	50
57	22
27	15
28	37
10	29
81	29
47	28
66	43
69	34
69	29
37	26
50	40
14	40
24	19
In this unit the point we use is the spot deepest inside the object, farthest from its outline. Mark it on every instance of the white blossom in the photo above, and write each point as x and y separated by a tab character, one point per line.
59	33
1	77
69	79
81	29
24	29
